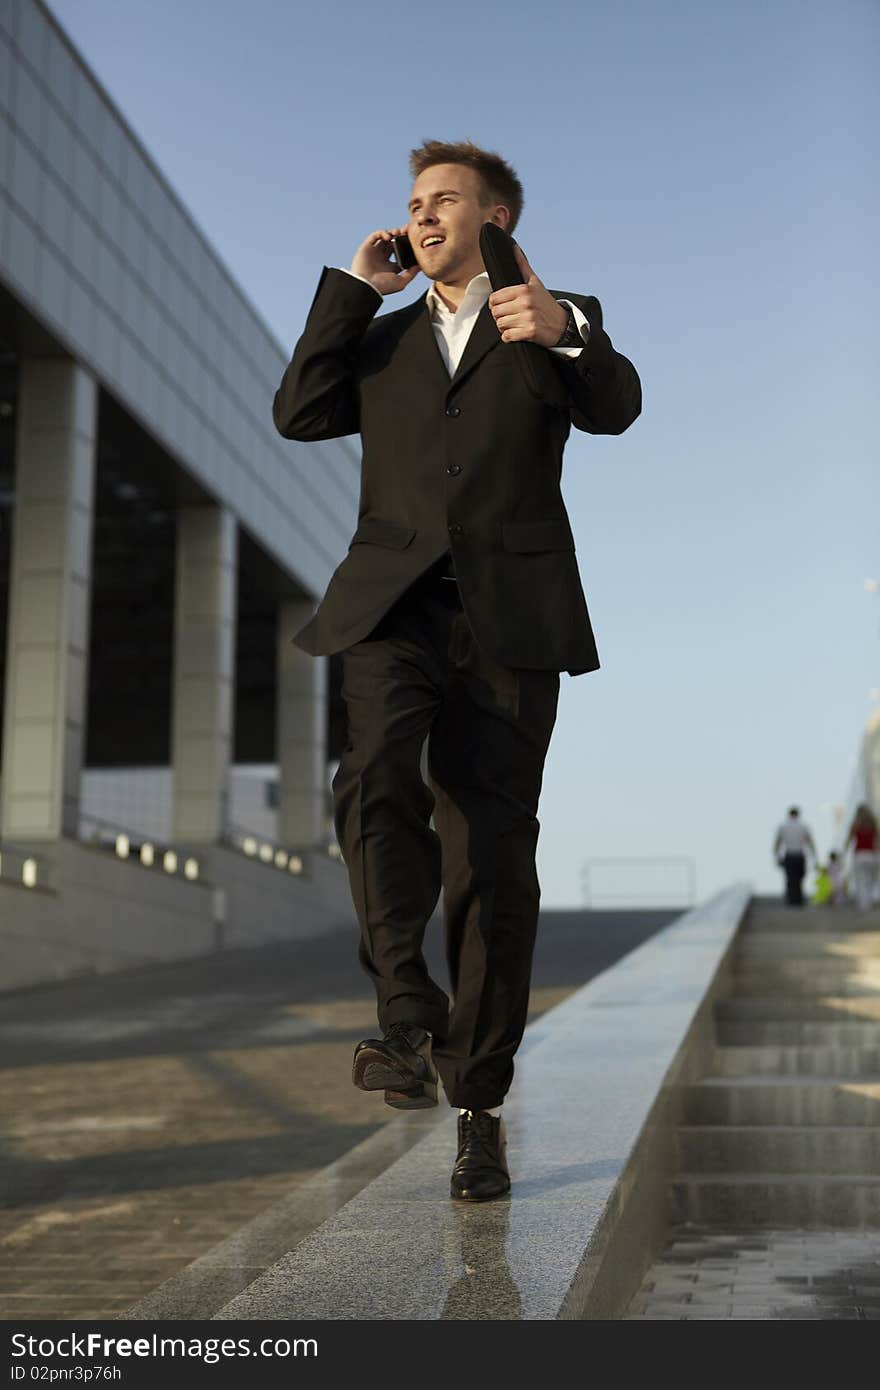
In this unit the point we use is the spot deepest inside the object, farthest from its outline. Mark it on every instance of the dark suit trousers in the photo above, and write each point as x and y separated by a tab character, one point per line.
420	674
795	866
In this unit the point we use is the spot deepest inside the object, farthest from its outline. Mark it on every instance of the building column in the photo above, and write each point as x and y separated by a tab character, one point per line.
203	679
49	599
302	733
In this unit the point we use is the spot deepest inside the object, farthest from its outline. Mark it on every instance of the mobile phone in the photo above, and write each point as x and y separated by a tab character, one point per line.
403	252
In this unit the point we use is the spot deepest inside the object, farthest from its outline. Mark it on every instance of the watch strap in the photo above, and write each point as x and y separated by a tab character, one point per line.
571	336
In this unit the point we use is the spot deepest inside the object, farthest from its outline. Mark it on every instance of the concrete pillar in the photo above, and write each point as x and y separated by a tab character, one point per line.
302	733
49	599
203	681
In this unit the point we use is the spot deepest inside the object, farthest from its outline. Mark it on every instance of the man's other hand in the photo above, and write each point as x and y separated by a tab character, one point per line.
527	313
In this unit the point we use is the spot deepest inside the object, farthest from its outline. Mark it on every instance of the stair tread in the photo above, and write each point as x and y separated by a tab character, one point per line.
752	1179
777	1129
735	998
788	1079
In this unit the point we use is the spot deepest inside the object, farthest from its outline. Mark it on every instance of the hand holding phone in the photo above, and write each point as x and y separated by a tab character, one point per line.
373	261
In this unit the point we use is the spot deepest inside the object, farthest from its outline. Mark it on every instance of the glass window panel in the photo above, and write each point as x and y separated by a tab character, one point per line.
154	267
81	315
150	325
8	16
5	74
54	285
29	105
112	145
111	211
133	239
25	179
86	178
136	177
21	250
61	72
59	144
33	32
56	216
156	201
83	252
108	274
89	110
6	138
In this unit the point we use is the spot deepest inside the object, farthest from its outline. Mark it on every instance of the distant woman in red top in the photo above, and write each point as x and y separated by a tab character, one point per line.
863	837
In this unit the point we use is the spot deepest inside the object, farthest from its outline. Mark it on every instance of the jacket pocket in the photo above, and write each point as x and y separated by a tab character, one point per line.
525	536
375	531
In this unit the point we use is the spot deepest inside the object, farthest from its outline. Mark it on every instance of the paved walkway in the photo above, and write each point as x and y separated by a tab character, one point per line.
763	1274
149	1115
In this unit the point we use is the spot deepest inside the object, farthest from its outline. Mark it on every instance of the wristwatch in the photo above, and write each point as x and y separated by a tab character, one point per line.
571	335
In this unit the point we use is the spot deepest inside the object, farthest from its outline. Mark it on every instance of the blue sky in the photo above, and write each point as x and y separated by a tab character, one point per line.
705	169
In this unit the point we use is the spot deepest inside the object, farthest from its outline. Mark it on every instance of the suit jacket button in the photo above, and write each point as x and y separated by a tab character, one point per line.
455	528
453	410
454	469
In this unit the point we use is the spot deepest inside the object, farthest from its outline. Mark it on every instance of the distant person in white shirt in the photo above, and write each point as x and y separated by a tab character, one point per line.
793	839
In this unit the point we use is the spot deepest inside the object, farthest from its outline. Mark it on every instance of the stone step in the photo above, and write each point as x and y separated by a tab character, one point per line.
782	1100
794	1032
761	946
764	908
845	983
850	961
810	921
769	1007
777	1199
781	1060
825	1149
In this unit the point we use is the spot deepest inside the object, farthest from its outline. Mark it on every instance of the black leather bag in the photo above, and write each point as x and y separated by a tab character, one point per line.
536	365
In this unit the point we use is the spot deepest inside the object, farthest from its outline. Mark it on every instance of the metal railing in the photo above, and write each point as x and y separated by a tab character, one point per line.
264	850
147	850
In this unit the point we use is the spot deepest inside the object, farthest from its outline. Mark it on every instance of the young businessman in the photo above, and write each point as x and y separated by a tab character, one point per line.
456	608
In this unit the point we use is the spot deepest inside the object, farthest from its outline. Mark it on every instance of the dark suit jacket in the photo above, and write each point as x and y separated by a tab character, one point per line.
469	464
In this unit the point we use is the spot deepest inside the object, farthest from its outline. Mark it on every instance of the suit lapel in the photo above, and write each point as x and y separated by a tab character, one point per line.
483	337
416	335
423	353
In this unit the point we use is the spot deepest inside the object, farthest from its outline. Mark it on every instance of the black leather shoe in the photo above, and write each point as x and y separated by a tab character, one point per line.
480	1169
400	1064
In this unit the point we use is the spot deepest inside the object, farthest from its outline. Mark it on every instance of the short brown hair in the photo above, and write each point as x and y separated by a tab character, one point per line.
499	180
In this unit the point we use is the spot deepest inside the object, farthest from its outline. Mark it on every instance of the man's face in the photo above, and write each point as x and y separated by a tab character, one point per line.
445	202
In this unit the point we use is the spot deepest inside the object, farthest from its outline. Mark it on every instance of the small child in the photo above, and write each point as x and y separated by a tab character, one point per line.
824	888
835	873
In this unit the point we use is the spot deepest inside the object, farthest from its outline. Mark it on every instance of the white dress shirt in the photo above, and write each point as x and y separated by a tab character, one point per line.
793	836
452	327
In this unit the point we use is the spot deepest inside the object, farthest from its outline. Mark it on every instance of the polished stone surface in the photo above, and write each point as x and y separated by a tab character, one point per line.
230	1266
586	1081
167	1123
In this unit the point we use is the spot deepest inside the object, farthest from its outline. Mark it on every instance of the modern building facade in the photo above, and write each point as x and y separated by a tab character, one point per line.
159	545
